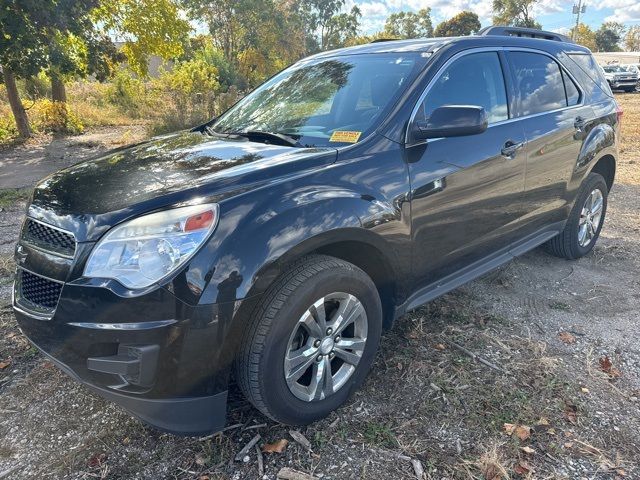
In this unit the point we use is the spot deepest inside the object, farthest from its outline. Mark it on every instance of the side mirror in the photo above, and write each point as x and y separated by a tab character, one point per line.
452	121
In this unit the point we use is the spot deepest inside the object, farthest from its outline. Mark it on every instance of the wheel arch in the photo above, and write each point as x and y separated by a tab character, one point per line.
606	166
358	246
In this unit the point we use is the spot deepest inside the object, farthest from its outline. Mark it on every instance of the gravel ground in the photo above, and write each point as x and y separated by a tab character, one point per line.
554	395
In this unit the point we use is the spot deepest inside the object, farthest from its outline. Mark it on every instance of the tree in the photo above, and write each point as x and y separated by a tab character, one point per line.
583	35
341	27
28	29
632	39
608	37
324	18
148	27
464	23
409	24
516	13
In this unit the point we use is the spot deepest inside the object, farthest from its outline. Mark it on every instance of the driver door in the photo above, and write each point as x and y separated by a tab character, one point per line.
466	191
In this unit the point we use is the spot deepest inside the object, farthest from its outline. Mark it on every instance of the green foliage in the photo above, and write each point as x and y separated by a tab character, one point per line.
126	92
149	27
409	24
608	37
517	13
464	23
55	117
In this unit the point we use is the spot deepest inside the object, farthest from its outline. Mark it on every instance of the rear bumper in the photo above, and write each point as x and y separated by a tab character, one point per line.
164	361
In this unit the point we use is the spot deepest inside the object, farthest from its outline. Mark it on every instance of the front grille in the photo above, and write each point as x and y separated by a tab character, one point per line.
49	238
38	291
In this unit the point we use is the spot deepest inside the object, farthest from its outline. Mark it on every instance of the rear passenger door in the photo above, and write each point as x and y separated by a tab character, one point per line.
549	105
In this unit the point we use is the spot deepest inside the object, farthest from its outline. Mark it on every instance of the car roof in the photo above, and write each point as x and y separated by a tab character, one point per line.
471	41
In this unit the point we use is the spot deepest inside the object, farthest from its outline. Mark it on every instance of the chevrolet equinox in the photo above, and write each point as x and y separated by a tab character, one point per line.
274	243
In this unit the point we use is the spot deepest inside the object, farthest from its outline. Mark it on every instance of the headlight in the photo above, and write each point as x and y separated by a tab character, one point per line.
144	250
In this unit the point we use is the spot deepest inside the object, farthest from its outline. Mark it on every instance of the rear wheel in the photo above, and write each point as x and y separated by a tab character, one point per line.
311	341
585	220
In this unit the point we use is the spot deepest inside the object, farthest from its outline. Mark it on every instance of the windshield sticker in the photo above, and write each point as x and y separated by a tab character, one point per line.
344	136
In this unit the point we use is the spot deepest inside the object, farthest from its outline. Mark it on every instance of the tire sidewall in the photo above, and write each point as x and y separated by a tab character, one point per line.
284	404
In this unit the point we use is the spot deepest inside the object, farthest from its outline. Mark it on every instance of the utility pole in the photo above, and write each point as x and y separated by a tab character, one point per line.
577	10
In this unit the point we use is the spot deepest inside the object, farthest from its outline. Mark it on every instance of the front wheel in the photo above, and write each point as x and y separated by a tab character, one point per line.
311	341
585	220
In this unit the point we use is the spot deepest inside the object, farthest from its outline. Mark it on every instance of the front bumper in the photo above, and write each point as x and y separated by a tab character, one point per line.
165	361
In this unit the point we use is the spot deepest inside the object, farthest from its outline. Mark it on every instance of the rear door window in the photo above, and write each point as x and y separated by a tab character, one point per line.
573	94
538	81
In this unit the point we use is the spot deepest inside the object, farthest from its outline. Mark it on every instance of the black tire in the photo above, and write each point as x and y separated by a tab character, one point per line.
259	365
630	89
566	244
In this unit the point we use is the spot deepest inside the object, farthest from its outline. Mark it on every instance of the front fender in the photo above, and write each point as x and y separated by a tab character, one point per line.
254	240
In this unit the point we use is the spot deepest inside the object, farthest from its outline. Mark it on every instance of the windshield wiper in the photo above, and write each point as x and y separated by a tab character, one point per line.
280	138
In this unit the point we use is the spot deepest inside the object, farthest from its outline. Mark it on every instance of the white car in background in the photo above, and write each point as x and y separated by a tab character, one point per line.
620	78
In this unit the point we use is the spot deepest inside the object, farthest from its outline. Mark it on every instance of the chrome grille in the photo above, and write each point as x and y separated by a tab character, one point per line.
37	291
49	238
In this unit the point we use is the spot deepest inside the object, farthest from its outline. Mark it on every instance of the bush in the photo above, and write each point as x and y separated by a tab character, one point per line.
54	117
128	93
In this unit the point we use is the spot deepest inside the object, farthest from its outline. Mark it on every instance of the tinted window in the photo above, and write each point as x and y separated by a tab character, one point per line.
573	94
474	79
589	67
538	82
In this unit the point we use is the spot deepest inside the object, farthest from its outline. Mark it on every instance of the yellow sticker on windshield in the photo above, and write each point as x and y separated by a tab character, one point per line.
344	136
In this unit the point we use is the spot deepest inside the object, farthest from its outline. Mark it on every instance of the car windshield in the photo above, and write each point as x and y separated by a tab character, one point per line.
613	69
323	102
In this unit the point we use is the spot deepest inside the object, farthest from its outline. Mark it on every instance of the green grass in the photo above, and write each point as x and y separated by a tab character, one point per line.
9	196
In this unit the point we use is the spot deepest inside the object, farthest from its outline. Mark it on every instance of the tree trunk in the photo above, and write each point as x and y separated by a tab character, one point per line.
58	92
19	113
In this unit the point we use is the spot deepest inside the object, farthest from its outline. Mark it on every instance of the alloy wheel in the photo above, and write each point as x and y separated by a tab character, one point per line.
325	346
590	217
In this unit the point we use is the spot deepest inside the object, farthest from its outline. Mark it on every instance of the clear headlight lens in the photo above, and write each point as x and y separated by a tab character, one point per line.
144	250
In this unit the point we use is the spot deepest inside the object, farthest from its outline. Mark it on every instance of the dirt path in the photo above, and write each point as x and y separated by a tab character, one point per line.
24	165
562	366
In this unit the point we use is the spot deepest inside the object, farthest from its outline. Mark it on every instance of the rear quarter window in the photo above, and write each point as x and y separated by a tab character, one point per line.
584	66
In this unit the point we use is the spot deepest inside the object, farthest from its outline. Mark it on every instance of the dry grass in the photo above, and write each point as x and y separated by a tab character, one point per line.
628	165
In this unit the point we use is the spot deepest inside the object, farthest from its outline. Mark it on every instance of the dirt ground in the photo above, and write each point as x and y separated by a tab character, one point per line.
554	393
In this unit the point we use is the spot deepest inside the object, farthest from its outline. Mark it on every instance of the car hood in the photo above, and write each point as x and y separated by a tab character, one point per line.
160	172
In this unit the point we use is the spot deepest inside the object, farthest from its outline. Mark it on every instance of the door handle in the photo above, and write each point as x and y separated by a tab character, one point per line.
579	123
510	148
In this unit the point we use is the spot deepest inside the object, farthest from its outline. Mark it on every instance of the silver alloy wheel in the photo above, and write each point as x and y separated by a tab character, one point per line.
325	346
590	217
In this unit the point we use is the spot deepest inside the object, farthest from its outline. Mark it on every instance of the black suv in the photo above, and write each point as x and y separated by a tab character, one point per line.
275	243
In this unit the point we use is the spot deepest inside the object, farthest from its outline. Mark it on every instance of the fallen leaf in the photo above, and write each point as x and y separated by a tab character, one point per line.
571	412
568	444
276	447
528	450
607	367
4	365
440	346
300	438
543	421
584	390
523	432
621	472
201	459
203	477
97	460
522	468
551	431
509	428
567	338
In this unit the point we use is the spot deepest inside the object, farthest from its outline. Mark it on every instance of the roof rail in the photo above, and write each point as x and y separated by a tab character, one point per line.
524	32
380	40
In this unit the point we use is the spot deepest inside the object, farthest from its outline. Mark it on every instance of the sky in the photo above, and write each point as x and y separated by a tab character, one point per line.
554	15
